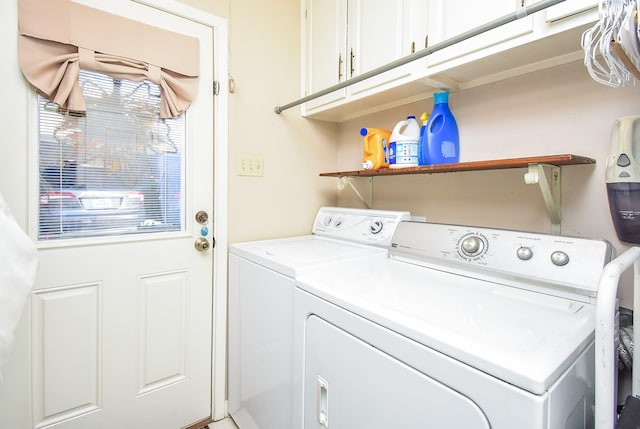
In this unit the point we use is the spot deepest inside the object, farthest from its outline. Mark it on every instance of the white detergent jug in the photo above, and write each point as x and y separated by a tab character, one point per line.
403	144
623	178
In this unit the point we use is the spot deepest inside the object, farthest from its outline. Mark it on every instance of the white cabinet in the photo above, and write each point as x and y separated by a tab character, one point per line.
568	8
450	18
345	38
325	48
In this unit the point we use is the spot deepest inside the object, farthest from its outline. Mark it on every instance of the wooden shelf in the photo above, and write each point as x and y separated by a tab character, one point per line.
555	160
539	167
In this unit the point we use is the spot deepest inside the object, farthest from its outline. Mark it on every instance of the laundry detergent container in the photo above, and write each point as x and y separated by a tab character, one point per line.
403	146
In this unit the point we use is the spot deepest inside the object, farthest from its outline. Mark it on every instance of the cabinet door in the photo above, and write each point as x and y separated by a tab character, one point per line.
568	8
379	33
325	49
453	17
345	38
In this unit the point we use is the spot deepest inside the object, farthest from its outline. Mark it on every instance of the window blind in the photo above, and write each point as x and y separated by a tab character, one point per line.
116	170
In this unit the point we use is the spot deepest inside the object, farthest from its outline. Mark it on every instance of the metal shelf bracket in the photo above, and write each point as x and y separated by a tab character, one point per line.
550	189
346	180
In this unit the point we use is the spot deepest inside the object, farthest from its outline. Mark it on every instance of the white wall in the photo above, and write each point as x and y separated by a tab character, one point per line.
552	112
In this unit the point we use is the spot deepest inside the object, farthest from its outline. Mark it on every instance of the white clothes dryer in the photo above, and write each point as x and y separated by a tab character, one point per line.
261	285
460	328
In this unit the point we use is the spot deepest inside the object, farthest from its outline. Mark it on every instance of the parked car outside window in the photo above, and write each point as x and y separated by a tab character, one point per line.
83	200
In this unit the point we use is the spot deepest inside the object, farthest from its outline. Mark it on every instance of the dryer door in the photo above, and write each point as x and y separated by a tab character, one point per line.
350	384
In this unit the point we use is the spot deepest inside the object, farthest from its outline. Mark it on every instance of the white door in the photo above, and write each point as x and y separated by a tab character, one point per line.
118	330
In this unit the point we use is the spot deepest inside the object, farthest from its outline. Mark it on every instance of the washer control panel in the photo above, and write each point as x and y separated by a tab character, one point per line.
541	258
375	227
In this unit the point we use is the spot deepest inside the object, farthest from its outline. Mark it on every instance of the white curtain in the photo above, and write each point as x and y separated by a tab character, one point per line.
18	267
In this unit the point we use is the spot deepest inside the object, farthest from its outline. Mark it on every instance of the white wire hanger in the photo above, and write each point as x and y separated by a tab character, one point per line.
612	45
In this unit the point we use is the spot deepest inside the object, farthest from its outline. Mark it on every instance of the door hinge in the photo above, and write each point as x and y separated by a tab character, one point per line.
216	87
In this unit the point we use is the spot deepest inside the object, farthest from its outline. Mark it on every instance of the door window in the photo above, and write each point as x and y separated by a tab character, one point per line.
117	170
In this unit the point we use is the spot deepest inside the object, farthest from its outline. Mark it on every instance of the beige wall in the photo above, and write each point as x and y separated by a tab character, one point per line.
264	61
552	112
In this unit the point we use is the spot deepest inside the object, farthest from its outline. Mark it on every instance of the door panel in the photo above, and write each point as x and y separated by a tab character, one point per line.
350	384
66	365
163	335
141	335
118	332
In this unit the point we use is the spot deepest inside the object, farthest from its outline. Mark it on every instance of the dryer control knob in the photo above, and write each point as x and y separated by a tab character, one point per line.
472	245
524	253
559	258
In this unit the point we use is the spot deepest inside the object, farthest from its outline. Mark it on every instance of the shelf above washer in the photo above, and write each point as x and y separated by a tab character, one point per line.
556	160
539	167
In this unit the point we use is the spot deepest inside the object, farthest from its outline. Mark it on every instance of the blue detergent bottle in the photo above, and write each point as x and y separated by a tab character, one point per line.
440	139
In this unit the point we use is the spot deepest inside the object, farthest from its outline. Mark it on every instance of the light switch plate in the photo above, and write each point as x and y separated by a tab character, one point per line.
251	165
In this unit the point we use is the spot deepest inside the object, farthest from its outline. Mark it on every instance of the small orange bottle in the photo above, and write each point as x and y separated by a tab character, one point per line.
376	148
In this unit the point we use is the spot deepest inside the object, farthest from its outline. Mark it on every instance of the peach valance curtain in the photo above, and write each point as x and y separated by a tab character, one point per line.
60	37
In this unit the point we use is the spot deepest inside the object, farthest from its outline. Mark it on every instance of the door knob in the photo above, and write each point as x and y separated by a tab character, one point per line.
202	217
202	244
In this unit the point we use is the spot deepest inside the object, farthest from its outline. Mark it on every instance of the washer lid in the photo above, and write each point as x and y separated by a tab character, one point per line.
290	255
522	337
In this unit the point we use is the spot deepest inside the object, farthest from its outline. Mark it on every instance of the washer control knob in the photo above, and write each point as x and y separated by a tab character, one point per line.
472	245
524	253
376	226
559	258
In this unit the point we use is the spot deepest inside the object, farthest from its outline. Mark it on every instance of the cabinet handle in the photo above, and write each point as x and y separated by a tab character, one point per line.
413	47
340	67
426	41
351	65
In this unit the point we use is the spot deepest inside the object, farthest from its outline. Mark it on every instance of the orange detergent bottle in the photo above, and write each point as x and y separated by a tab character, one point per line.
376	148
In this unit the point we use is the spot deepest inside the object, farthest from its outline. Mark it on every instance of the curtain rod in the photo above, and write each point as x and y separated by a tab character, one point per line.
519	13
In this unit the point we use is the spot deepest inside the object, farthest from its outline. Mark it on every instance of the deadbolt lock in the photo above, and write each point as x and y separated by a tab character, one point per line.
202	217
202	244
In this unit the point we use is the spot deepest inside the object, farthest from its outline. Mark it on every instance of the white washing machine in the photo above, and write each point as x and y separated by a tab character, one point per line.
461	327
261	285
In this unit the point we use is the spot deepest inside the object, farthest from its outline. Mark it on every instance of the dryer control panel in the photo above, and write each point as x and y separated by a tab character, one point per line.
373	227
511	257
